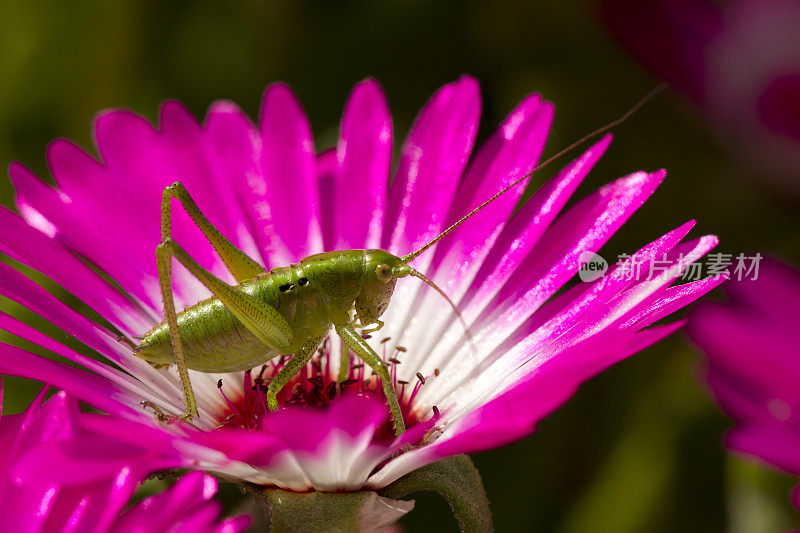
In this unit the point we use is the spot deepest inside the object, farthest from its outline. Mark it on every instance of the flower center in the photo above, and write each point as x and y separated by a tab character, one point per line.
317	385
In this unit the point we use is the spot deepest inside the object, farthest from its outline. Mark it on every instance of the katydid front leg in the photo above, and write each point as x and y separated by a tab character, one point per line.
355	342
344	364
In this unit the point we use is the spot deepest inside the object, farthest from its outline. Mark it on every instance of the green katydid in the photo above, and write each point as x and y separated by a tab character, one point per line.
243	326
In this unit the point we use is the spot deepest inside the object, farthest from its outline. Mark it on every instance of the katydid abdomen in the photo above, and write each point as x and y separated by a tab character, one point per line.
216	341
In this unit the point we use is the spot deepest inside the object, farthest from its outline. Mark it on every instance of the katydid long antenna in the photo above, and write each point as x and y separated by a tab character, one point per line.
408	271
614	123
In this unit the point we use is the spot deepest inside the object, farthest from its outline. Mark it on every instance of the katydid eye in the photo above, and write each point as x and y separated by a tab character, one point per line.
383	272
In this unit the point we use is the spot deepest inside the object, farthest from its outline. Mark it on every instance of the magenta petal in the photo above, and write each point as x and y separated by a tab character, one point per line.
528	225
135	164
97	217
37	503
774	370
431	162
586	304
514	413
39	423
364	154
751	343
554	260
776	445
234	525
671	300
91	456
250	447
572	318
336	449
18	288
25	508
354	416
15	327
775	292
651	298
511	152
122	489
135	153
194	162
92	506
64	470
202	518
47	255
22	290
128	144
192	489
235	144
328	175
89	387
285	201
536	390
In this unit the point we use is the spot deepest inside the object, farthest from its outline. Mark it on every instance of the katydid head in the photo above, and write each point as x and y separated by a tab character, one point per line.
378	285
381	271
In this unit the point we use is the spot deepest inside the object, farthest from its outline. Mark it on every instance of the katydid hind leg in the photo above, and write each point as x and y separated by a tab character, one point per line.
359	346
164	259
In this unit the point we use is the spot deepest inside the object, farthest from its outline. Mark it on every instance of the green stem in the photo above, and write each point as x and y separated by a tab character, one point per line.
459	482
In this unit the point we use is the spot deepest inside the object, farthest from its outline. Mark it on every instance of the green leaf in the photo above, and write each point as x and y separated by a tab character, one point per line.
459	482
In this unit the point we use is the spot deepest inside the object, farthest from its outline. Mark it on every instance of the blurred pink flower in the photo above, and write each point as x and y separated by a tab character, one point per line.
92	493
738	60
269	192
752	344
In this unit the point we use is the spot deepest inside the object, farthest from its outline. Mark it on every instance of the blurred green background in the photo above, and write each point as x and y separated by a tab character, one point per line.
638	448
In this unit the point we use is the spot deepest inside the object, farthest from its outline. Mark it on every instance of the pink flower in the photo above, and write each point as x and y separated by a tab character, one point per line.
91	494
752	344
268	191
738	60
